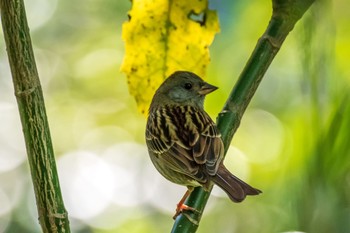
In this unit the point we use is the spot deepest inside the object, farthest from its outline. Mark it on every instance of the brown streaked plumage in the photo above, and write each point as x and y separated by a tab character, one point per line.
184	143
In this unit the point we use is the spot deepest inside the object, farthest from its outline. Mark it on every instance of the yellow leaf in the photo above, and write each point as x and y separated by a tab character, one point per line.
163	36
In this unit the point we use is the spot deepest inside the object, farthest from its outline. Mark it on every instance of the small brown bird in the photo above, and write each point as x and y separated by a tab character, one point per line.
184	143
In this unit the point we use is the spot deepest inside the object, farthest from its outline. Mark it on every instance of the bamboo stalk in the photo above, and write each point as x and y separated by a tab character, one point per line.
284	17
52	214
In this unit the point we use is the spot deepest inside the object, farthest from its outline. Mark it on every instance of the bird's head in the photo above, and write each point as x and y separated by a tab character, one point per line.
183	87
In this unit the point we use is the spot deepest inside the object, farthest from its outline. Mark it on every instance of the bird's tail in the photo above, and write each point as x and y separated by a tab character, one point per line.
235	188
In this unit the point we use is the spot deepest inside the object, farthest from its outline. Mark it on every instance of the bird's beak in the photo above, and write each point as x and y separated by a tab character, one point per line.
206	89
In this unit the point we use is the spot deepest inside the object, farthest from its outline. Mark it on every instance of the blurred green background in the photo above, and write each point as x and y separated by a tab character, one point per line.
293	142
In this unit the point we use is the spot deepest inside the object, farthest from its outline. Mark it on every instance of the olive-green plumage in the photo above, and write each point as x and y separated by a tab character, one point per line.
184	143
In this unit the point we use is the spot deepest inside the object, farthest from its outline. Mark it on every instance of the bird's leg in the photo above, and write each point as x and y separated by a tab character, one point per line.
181	206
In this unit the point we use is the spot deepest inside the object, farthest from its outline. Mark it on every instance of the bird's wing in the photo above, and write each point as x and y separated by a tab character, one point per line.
185	138
209	148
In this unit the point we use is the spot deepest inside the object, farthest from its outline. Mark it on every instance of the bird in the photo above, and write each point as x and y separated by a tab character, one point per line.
184	143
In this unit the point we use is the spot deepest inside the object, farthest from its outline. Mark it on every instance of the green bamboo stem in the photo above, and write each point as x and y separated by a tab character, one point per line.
52	214
284	17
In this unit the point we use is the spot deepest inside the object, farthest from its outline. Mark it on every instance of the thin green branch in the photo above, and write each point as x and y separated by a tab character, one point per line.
52	214
284	17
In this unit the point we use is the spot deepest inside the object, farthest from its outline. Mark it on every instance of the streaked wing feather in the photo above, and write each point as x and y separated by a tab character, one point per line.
199	148
188	166
185	138
155	144
210	141
214	155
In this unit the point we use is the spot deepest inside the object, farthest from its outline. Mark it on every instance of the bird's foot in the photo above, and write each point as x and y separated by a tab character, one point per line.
181	208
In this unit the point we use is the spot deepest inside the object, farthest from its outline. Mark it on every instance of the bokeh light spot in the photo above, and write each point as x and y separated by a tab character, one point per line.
12	148
87	182
39	12
5	210
260	136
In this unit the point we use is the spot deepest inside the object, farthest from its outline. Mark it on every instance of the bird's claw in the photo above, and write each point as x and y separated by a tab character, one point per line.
182	207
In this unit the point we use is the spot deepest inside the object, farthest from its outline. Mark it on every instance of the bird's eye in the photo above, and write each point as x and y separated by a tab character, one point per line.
188	86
